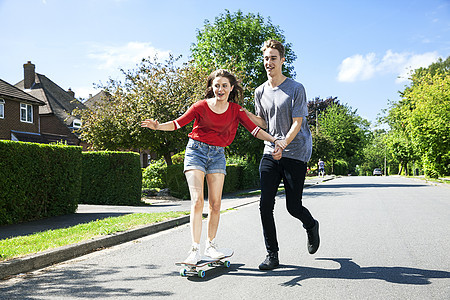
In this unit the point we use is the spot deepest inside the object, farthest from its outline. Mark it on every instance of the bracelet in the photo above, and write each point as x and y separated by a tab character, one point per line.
277	139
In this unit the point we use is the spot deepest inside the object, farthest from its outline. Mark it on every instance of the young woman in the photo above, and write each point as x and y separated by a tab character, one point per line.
216	121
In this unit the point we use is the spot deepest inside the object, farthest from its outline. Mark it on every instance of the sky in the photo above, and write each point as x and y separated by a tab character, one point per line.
360	51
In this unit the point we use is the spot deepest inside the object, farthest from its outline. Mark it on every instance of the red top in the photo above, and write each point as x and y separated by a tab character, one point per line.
212	128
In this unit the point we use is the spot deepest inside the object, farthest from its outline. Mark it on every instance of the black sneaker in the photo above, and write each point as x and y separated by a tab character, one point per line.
270	263
313	238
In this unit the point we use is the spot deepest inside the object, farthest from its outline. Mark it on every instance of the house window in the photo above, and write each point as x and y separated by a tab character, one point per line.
2	108
26	113
76	124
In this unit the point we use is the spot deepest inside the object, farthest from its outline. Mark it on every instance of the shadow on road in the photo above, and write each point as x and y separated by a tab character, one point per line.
86	282
350	270
368	185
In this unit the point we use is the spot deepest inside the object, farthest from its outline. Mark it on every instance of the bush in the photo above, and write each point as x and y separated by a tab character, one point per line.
341	167
154	175
240	175
111	178
176	182
38	181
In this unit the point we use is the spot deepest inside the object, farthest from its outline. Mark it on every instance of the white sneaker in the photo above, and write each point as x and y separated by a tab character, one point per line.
194	255
211	250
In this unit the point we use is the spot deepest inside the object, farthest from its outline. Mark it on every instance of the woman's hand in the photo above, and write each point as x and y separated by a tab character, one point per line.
150	123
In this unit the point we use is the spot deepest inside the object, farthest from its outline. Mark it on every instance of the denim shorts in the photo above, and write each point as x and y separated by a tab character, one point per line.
204	157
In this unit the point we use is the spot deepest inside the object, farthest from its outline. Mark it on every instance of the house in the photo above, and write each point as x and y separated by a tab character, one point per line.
19	115
56	121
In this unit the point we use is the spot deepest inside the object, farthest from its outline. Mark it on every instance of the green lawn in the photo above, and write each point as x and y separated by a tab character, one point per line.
23	245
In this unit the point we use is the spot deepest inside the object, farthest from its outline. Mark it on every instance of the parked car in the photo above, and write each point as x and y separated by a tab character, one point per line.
377	171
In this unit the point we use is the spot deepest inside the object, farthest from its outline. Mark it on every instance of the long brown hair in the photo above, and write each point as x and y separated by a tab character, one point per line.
235	94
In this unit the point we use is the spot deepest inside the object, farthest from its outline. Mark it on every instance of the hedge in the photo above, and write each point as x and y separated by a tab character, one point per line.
238	177
111	178
38	181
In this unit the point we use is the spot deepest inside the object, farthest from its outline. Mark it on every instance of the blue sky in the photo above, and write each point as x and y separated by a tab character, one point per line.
359	51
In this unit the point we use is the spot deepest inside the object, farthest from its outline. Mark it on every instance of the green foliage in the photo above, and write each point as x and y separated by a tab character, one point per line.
38	181
341	167
374	154
178	158
234	41
240	175
161	91
111	178
154	175
50	239
176	182
346	132
420	121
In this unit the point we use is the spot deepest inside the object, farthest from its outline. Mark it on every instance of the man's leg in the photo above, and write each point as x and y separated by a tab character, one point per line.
294	172
270	179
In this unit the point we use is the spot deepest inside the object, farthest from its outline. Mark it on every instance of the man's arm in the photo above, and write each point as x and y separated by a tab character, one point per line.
295	128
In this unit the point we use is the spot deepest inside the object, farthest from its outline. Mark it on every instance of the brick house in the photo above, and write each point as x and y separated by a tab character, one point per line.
56	121
19	115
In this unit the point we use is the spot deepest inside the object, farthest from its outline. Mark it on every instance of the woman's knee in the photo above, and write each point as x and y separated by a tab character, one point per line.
197	203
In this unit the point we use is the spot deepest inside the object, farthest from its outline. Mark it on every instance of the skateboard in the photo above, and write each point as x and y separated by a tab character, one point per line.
194	270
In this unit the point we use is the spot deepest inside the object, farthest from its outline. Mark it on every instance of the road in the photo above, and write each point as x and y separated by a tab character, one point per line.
381	238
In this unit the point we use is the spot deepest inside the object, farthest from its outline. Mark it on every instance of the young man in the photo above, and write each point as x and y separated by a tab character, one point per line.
281	108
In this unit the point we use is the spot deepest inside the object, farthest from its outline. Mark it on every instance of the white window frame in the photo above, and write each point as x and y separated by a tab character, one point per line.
76	124
2	108
26	113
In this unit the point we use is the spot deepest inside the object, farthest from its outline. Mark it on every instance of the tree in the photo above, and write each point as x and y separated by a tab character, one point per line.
162	91
375	153
234	41
348	131
428	123
318	106
421	119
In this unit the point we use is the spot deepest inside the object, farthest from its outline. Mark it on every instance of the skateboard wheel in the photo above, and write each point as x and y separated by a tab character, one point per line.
201	273
226	264
183	272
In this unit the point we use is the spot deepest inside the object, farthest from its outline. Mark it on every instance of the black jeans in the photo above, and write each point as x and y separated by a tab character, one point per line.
293	173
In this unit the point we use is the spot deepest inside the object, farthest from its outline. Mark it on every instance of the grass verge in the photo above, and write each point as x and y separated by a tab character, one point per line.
22	245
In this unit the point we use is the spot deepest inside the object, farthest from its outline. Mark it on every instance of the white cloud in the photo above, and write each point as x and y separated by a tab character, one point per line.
359	67
125	56
414	62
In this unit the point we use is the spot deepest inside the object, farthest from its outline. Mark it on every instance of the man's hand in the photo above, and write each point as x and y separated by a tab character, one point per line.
277	153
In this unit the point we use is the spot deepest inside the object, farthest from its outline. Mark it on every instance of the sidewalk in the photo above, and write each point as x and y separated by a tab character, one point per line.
88	213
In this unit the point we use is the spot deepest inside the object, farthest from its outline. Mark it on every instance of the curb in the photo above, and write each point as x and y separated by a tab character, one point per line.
50	257
54	256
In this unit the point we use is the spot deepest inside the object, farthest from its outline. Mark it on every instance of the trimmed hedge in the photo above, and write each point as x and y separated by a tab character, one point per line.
238	177
111	178
38	181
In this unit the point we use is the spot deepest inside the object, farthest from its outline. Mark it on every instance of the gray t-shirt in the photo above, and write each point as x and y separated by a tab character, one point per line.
277	106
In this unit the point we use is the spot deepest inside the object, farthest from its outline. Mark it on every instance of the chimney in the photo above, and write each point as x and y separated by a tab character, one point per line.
71	93
28	75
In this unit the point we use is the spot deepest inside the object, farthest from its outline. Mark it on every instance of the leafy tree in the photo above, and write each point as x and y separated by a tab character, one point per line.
374	153
317	106
420	121
234	41
348	131
235	38
157	90
428	123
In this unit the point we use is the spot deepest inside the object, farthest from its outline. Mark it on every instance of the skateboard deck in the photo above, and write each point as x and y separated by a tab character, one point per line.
191	269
